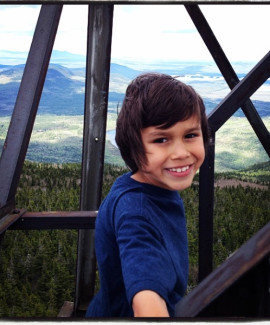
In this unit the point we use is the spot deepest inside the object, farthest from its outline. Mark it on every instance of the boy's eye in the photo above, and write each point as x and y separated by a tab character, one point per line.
191	135
160	140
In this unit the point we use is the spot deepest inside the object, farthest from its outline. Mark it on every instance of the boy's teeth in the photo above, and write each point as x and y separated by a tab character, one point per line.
179	170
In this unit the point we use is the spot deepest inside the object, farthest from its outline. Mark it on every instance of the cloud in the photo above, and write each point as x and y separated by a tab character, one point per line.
149	32
167	32
17	24
72	30
243	30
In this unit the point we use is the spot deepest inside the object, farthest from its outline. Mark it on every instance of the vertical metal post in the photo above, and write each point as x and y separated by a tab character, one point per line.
25	110
96	101
206	212
240	93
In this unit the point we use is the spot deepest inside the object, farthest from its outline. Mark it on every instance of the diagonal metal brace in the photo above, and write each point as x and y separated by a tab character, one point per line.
25	110
228	72
240	93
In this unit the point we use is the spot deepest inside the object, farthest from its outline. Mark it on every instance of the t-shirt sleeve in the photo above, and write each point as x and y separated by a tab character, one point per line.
146	263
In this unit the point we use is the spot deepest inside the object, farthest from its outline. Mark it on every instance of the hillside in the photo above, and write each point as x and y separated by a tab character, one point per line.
57	135
59	140
257	176
63	92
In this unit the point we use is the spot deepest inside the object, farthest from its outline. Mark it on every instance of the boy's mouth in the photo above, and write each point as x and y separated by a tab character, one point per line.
179	169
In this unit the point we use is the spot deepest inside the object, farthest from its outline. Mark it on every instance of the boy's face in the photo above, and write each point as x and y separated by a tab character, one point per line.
173	155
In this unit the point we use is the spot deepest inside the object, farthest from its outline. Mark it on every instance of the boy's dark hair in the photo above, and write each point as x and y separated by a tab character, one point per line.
154	100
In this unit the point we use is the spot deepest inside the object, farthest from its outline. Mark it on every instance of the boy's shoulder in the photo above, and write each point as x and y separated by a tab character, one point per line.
124	196
122	182
125	186
126	189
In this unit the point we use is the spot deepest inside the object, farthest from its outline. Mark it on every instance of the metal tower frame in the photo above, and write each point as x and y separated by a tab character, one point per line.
100	20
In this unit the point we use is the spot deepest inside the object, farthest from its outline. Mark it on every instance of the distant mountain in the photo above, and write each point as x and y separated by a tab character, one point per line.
63	92
121	70
59	57
67	59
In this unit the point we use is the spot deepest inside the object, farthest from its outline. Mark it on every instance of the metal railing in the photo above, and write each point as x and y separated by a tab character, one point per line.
100	21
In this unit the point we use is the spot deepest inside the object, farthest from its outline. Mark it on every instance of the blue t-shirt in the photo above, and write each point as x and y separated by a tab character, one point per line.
141	244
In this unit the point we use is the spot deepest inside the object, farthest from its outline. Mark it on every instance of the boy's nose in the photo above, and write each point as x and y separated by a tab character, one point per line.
180	151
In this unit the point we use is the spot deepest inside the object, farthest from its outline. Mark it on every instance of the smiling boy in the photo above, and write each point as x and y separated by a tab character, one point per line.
173	155
141	239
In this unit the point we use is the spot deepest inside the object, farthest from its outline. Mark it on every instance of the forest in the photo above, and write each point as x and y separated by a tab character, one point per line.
38	268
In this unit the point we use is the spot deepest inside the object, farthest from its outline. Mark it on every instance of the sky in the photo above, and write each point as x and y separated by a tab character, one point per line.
149	32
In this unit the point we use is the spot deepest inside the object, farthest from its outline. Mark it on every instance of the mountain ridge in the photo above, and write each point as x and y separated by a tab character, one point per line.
63	92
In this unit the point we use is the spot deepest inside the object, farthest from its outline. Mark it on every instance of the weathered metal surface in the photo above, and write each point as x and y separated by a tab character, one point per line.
95	116
7	208
23	117
228	72
66	310
207	170
206	212
9	219
240	93
99	40
247	297
243	260
56	220
135	2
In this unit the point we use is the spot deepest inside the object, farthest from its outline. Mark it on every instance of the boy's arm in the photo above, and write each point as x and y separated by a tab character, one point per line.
148	303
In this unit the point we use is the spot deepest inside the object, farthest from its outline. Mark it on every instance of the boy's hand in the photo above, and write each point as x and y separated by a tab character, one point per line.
148	303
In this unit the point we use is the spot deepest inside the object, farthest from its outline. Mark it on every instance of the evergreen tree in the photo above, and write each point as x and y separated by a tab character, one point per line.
38	268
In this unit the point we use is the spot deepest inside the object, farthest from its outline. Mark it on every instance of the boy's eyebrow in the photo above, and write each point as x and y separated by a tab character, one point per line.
195	128
160	132
163	132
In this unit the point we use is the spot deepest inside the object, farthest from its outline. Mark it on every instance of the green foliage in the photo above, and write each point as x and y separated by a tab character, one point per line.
239	212
37	268
37	272
258	173
237	146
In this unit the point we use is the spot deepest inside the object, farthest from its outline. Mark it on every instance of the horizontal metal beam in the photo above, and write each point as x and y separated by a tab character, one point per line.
55	220
9	219
134	1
